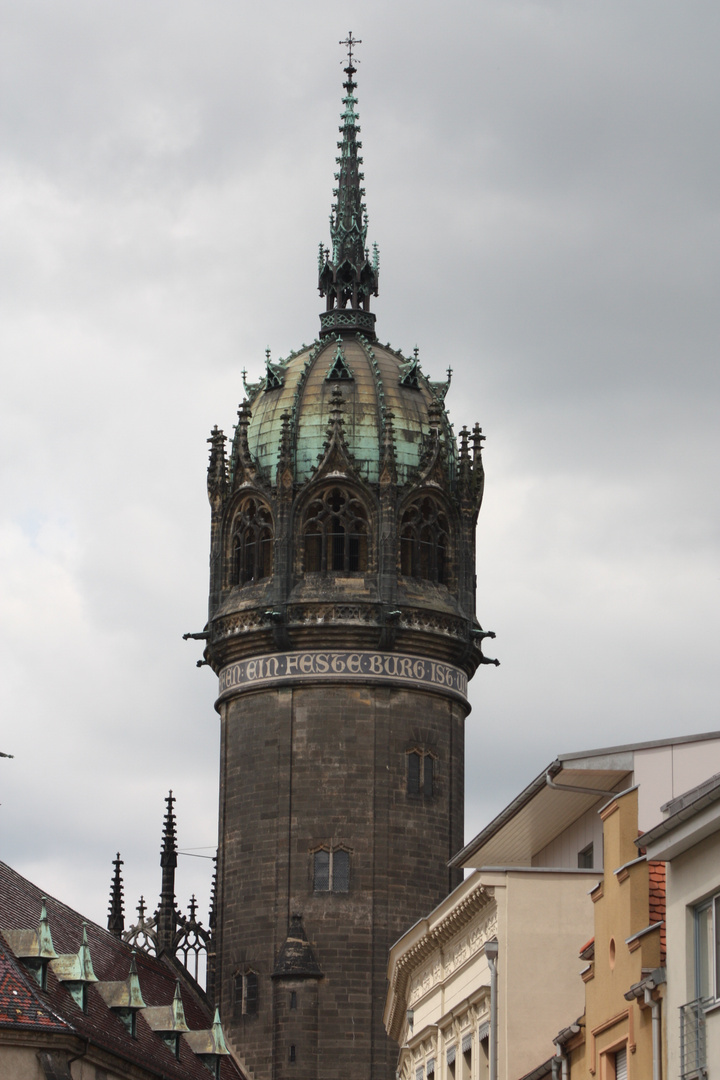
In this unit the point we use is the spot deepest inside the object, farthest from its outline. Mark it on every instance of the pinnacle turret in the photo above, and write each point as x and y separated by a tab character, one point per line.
347	275
116	913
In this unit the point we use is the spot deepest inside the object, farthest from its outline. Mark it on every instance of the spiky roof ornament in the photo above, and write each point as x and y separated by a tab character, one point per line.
347	276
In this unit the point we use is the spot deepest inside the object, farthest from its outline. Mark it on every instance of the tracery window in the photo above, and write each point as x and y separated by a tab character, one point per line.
331	870
252	542
335	533
420	773
425	541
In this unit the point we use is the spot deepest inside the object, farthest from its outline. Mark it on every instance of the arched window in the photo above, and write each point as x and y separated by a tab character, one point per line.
424	542
335	533
252	542
420	773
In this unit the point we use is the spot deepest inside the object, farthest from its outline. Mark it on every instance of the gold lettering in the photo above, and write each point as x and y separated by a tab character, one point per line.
338	663
306	663
292	663
321	662
406	667
375	664
251	670
353	663
419	669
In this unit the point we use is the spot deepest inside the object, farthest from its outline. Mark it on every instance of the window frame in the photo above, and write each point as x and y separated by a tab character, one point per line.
336	539
707	950
426	540
247	1001
252	537
332	875
422	786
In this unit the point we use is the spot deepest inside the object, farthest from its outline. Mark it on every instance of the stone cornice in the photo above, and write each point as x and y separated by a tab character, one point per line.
451	924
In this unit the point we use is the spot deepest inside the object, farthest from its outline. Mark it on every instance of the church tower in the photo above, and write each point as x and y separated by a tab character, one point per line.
342	628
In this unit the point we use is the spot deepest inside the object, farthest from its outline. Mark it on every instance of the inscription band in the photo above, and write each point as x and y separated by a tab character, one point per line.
277	669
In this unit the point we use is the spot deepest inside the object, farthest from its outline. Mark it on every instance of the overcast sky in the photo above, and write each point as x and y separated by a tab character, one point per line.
543	183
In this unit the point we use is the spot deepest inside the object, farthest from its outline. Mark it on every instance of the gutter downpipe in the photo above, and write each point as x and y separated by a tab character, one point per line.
561	1055
491	954
656	1041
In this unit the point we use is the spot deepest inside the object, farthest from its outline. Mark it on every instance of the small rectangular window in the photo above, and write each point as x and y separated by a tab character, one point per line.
621	1064
293	999
331	871
585	858
292	1052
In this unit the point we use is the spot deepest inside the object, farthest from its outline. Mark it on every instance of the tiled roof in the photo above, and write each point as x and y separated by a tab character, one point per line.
21	1003
20	903
656	872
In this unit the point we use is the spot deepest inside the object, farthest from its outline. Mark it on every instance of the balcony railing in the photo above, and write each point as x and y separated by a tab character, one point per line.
693	1042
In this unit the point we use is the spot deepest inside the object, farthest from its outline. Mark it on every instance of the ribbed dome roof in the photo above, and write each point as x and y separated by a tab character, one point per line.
375	380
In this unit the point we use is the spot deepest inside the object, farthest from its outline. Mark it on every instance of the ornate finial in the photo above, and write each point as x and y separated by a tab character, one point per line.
169	834
192	908
167	915
116	912
350	41
141	909
217	468
273	375
346	276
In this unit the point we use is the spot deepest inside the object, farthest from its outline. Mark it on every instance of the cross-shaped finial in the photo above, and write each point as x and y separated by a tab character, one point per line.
350	41
449	373
267	355
416	352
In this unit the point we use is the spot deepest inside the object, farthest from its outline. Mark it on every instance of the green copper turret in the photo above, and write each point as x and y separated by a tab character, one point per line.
347	276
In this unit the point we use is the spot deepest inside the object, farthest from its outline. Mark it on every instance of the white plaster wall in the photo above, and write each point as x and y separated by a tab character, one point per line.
691	877
664	772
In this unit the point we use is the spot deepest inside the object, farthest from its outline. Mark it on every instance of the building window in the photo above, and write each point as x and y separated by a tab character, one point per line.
707	949
620	1063
331	870
292	1052
293	999
585	858
424	542
246	992
335	533
420	773
252	543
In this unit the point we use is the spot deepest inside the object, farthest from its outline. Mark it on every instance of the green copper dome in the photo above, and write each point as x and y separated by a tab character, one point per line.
377	384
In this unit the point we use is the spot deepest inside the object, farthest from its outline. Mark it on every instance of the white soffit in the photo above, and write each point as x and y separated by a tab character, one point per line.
547	814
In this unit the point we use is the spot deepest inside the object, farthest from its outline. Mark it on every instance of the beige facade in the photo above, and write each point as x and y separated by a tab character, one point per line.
689	842
439	1004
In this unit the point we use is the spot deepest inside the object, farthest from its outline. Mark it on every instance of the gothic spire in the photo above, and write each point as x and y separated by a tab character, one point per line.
116	912
167	916
347	277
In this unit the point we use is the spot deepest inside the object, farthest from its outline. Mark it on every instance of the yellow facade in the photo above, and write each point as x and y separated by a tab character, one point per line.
627	950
